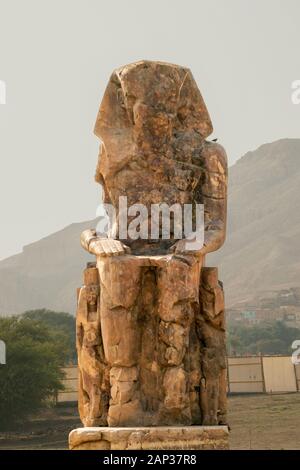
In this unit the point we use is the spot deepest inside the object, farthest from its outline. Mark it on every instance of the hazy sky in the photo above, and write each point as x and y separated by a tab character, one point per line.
56	57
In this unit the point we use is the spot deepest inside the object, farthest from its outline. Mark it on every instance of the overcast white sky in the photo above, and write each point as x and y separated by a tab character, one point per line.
56	57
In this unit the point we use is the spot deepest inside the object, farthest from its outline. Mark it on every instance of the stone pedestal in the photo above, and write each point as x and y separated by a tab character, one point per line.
150	438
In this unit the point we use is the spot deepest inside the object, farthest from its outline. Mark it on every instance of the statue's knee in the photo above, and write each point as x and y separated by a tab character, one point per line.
121	336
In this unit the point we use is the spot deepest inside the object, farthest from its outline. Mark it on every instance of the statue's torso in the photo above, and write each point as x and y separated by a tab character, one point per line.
155	179
189	171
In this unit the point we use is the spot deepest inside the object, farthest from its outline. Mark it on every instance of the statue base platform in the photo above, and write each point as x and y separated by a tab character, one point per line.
150	438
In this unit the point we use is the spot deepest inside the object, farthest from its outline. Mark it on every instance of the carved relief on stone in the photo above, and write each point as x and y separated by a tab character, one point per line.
93	372
211	332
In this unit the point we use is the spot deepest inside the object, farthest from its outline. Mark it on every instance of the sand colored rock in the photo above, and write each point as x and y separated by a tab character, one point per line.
150	319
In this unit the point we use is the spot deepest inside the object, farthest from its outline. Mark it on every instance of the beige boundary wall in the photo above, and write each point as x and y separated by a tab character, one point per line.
245	375
71	385
252	374
280	374
263	374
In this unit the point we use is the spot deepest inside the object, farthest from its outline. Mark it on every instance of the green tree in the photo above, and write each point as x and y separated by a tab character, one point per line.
273	337
59	323
32	374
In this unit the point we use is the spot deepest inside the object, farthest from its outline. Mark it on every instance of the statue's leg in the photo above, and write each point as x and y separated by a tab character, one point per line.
211	332
178	287
121	334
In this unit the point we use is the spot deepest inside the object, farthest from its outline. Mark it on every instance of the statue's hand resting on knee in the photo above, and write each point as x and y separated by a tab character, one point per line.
102	246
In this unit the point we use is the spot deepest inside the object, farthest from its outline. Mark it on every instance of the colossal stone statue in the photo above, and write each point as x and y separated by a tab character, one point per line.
150	319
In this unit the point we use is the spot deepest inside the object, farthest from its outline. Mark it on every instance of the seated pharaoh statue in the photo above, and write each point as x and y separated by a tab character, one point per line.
150	319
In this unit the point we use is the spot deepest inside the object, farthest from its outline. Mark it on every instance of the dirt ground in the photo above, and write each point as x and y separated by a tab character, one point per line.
265	421
256	421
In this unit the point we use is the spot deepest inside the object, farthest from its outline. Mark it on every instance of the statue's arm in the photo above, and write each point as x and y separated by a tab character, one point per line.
98	246
90	240
212	192
214	196
87	237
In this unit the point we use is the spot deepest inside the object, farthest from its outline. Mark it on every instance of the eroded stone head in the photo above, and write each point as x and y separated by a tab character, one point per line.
153	99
